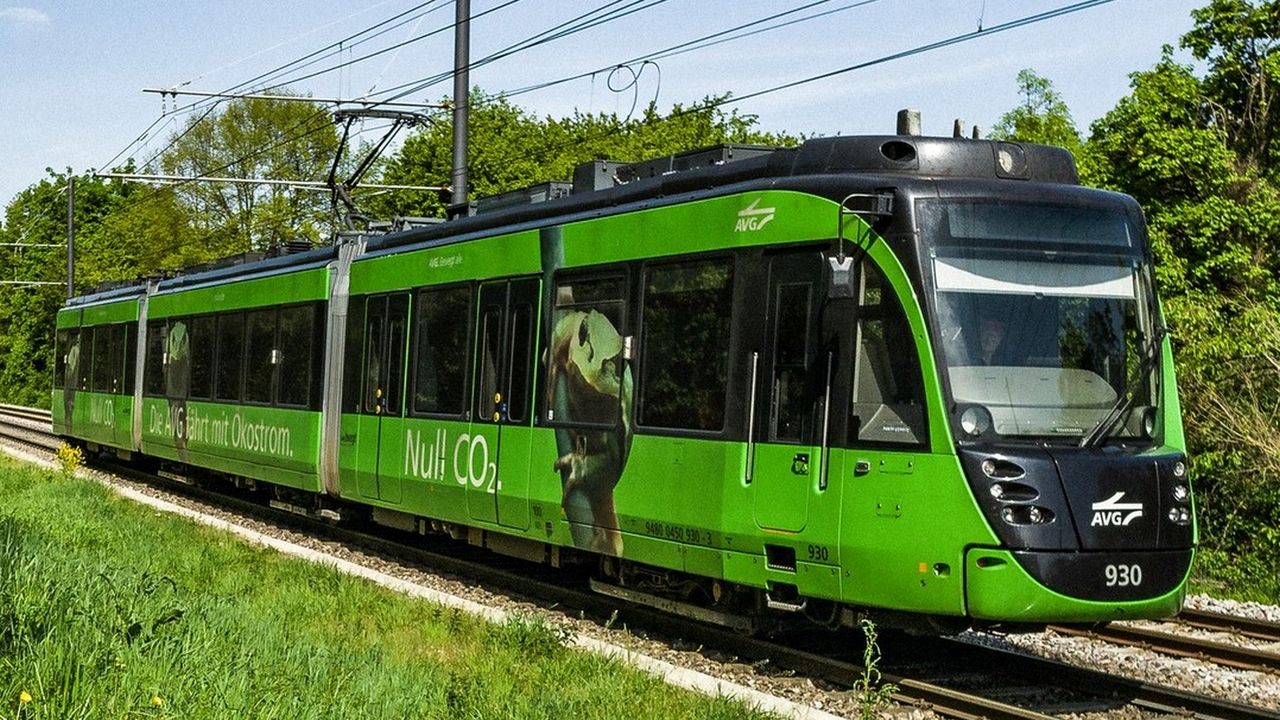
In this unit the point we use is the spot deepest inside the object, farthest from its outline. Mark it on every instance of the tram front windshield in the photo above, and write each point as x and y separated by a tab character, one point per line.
1045	317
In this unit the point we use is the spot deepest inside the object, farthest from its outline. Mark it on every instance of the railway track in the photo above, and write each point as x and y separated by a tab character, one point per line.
28	425
1171	643
924	671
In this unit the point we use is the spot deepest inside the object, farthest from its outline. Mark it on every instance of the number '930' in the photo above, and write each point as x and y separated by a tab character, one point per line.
1123	575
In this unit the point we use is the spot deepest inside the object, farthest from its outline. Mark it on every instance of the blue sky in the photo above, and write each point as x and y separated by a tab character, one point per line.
73	70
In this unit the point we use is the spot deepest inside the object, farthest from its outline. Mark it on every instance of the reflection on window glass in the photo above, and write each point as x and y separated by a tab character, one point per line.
352	360
103	354
791	418
373	357
230	356
71	372
520	362
685	325
490	342
888	392
153	373
59	357
177	372
441	359
295	353
395	353
260	341
202	346
587	373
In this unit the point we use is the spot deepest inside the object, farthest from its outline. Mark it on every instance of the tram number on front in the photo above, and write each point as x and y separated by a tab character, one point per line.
1123	575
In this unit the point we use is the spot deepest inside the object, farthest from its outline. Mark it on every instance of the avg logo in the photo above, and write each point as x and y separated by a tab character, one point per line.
1111	512
753	217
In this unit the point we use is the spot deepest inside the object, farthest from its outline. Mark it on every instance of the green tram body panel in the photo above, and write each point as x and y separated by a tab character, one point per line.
278	445
98	409
873	525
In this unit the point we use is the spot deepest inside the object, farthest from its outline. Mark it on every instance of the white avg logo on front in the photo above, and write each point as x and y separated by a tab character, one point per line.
1112	512
753	218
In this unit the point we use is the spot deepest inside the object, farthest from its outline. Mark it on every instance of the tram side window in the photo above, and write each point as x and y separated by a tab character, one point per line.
792	419
520	362
230	357
373	358
177	350
586	375
295	348
116	358
130	357
60	349
103	355
490	345
153	373
201	333
440	358
86	359
888	392
686	321
259	354
351	365
71	373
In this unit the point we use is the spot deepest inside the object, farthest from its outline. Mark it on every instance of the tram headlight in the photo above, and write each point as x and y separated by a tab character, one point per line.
975	420
1180	516
1035	515
1179	469
1181	493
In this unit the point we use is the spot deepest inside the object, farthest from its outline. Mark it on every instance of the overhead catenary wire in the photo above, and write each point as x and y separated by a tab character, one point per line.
291	40
1024	21
698	43
390	48
268	74
574	25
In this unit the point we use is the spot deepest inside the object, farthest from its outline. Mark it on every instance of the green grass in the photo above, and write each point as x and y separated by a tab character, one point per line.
112	610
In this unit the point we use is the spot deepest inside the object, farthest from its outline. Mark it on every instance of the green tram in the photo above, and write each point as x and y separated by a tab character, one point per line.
922	379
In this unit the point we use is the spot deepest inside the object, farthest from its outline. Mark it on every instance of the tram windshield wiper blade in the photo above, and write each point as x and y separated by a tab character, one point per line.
1149	361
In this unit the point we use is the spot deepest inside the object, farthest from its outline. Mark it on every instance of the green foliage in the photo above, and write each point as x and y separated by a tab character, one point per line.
269	139
1042	117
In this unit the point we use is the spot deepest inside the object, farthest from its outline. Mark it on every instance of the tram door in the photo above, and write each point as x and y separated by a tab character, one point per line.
497	454
786	453
381	425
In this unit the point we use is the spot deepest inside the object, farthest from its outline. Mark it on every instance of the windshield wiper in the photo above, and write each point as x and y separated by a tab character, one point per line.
1104	427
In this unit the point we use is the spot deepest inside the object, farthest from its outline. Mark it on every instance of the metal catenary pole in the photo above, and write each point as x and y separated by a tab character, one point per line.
461	102
71	236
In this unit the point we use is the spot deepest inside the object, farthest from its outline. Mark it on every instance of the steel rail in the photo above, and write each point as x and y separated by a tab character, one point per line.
1218	653
1265	630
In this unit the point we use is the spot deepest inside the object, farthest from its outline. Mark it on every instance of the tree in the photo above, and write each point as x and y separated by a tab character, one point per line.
1238	40
256	138
1198	153
1042	117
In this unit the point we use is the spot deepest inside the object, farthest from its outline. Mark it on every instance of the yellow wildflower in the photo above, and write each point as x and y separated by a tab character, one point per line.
157	700
24	697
